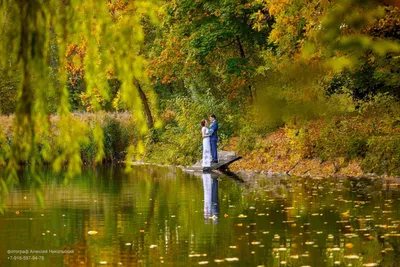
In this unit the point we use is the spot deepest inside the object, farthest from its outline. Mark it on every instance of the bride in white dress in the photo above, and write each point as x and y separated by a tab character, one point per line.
206	162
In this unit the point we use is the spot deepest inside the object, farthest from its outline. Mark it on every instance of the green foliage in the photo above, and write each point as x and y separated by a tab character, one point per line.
209	42
180	139
247	139
237	66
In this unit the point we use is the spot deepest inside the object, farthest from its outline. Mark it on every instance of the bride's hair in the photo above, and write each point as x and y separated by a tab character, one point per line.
203	123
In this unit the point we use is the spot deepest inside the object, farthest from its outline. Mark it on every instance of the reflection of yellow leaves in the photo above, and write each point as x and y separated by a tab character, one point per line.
232	259
92	232
347	213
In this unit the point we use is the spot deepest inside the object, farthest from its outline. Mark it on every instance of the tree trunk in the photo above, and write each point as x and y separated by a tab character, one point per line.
171	91
241	50
146	106
243	55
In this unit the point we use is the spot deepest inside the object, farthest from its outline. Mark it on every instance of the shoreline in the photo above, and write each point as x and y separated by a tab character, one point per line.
270	174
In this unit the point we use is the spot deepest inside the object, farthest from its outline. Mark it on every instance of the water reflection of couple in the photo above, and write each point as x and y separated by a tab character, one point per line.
211	203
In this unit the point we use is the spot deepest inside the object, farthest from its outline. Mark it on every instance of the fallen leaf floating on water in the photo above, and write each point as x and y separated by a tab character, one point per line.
352	257
370	264
92	232
153	246
197	255
103	262
219	260
242	216
232	259
203	262
349	245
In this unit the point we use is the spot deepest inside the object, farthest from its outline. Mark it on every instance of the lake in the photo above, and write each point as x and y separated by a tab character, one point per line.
155	216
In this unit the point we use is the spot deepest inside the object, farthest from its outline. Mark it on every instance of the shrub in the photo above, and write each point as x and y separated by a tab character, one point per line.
383	155
116	139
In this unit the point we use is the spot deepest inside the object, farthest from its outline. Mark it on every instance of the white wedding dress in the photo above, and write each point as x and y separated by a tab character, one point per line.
206	162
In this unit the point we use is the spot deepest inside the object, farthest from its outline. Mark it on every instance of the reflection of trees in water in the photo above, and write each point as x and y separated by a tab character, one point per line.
167	210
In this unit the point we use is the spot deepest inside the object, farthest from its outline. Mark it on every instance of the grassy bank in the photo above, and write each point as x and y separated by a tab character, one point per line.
363	142
118	132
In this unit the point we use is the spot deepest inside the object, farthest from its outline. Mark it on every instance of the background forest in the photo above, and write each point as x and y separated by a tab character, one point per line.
293	83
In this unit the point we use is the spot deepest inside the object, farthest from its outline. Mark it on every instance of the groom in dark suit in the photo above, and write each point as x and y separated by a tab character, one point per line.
213	138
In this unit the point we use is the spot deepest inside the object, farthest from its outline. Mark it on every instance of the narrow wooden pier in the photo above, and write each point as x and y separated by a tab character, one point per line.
225	159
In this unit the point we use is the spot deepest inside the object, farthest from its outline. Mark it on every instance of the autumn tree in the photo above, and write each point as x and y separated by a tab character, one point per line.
210	44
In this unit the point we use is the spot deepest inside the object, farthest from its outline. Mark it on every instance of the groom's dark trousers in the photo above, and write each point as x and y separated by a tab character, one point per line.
214	140
214	150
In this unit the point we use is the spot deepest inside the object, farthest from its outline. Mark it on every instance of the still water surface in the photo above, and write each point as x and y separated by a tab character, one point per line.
159	216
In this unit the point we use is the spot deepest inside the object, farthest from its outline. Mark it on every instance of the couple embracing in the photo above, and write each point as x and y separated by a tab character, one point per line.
210	139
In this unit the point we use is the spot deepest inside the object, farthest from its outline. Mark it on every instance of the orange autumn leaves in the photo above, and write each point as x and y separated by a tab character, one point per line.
75	56
75	67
